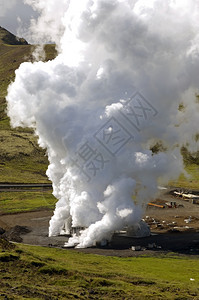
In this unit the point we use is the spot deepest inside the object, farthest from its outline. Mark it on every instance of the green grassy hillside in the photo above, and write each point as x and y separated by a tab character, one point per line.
29	272
21	160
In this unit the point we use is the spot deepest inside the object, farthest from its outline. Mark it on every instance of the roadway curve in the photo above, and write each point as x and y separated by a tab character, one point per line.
24	186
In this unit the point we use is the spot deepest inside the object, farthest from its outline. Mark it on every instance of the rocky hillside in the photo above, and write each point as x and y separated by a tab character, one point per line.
8	38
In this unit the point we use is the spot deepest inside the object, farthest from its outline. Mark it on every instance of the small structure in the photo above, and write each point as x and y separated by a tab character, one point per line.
194	199
76	230
102	243
156	205
171	204
136	248
140	229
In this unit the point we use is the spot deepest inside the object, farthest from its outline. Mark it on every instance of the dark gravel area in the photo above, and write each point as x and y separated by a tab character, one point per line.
173	230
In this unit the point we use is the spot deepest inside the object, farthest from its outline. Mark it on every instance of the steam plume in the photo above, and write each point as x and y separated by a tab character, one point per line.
107	108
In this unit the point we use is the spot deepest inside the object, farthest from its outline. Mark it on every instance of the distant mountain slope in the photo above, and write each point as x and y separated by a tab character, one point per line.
21	160
8	38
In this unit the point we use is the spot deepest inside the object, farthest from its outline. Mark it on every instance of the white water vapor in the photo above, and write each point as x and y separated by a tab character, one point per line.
48	27
100	106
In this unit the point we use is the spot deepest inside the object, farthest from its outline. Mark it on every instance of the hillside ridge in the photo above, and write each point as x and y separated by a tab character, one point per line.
21	159
8	38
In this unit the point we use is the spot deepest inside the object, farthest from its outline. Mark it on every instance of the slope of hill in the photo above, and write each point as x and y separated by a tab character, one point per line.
7	37
21	160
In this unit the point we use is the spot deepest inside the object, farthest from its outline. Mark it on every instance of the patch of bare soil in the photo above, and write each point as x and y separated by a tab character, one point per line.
15	233
173	229
178	214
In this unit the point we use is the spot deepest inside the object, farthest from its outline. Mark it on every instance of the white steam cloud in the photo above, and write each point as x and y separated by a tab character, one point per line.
112	93
48	27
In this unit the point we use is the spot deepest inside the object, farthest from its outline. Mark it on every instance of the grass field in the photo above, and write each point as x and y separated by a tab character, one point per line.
44	273
191	181
21	160
14	202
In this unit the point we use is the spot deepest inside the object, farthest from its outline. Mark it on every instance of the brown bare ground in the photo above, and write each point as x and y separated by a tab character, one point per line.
170	231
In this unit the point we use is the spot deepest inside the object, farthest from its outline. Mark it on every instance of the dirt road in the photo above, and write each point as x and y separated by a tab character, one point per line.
163	222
